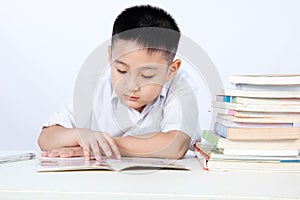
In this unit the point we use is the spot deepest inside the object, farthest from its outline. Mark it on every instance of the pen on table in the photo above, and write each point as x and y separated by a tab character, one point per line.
17	157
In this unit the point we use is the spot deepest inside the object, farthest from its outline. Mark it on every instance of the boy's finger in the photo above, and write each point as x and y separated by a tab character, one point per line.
53	153
67	154
96	150
103	145
44	154
78	151
112	145
87	154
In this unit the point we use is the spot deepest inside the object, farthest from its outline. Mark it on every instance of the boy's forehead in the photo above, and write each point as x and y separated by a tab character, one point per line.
123	49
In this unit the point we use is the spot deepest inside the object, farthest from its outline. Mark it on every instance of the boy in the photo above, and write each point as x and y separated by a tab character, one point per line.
161	115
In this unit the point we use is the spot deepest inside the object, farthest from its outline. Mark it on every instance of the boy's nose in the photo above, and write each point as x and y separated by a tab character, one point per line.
132	83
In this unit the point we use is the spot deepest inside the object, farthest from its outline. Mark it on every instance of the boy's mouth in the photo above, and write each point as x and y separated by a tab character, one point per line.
131	98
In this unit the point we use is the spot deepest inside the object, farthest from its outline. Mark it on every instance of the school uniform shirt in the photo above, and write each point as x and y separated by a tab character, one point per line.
175	108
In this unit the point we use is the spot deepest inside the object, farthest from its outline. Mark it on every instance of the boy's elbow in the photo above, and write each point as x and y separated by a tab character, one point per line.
181	145
41	140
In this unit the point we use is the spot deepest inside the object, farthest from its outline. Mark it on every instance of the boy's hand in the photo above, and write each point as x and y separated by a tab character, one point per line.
64	152
97	144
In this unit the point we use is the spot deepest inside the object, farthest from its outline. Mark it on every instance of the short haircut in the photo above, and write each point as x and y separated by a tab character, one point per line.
150	27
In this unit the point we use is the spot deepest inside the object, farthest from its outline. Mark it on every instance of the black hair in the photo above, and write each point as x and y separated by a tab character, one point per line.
150	27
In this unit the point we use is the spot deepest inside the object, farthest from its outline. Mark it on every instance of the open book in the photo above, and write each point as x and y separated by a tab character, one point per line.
45	164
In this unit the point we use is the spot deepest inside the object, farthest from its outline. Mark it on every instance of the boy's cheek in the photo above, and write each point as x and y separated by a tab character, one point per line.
115	82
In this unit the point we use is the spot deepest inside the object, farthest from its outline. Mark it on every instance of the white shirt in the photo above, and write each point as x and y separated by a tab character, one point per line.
174	109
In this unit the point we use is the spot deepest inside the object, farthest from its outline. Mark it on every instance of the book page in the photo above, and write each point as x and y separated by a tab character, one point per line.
140	163
45	164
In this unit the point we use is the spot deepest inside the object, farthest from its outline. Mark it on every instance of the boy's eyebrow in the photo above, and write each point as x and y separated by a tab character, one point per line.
142	67
149	67
121	62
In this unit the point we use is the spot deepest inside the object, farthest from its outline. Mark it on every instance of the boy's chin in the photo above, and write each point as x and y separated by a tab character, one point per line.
134	105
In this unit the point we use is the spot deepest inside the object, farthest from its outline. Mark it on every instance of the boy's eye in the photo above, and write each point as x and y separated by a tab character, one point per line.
148	77
121	71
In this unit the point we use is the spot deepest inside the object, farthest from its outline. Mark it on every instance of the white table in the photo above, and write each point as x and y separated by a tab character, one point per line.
19	180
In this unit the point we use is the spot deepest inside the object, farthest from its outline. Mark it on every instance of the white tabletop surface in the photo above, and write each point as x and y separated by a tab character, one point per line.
19	180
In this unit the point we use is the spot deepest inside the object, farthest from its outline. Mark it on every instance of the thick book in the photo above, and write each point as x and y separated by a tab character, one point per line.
275	120
260	93
237	113
209	151
213	159
259	152
266	79
294	108
223	143
234	124
251	87
233	133
46	164
255	101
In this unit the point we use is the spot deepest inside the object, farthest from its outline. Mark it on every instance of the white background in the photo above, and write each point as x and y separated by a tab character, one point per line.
44	43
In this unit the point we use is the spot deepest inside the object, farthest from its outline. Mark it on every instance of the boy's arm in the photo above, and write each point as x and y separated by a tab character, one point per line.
56	136
57	140
172	144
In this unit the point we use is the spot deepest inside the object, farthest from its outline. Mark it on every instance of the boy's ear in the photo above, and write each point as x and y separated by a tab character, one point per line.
173	69
109	49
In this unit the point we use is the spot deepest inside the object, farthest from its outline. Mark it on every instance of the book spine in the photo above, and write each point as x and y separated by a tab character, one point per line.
221	130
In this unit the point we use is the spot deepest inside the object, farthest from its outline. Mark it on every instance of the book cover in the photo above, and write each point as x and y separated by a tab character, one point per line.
223	143
233	133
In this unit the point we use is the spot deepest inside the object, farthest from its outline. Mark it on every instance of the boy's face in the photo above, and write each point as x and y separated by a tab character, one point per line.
137	75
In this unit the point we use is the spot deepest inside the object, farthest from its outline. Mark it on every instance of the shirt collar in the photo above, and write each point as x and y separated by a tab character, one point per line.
164	91
114	96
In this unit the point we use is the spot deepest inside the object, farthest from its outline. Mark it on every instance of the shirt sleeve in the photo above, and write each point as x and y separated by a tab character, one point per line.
63	118
181	111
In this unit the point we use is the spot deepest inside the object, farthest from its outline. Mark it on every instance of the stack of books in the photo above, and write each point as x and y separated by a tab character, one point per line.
257	125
